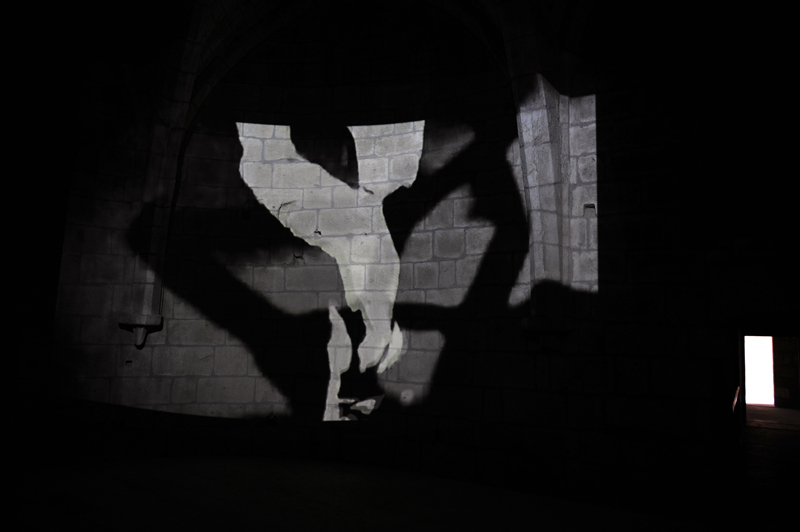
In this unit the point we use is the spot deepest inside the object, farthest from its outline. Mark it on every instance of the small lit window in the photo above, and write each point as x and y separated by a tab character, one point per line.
758	370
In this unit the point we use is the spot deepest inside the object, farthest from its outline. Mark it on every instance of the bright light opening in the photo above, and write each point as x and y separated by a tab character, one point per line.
758	370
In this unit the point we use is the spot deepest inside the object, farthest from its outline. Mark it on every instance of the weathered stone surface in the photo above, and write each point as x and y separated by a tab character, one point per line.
133	362
418	247
183	361
373	170
587	168
449	243
448	297
295	175
397	144
266	392
312	278
230	360
582	109
447	273
365	248
466	269
345	221
226	390
581	195
279	150
251	149
344	196
441	216
317	198
140	390
194	332
380	276
578	235
417	366
478	239
583	139
184	390
426	275
261	131
268	279
403	167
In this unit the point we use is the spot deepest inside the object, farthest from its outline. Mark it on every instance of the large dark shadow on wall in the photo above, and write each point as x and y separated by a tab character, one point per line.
218	216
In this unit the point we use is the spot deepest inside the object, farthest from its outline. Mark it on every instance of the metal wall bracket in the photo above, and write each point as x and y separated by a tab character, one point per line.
140	325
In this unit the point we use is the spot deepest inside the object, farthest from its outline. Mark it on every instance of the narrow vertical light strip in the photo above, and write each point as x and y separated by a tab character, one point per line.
758	370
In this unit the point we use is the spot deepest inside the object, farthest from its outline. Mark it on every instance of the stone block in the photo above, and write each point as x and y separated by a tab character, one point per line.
373	170
380	276
226	390
449	244
467	269
365	248
581	195
577	233
194	332
371	131
268	278
365	147
445	297
304	278
317	198
261	131
447	273
406	281
293	302
417	366
184	390
133	362
251	149
547	232
426	275
582	109
141	390
583	139
266	392
543	171
403	167
301	223
410	296
230	360
478	239
345	221
279	150
587	168
295	175
584	266
281	200
344	196
535	126
183	361
379	221
543	198
441	216
592	233
102	331
426	340
418	247
377	191
85	300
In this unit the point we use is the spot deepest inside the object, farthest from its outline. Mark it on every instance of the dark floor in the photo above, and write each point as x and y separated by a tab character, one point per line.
253	493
